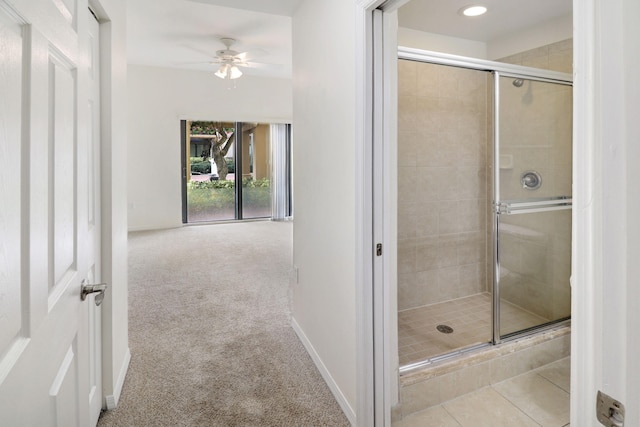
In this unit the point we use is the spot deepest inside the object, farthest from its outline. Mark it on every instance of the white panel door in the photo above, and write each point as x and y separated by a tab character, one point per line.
46	220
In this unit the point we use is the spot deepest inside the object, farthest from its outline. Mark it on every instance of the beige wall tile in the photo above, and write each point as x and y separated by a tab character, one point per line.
407	256
407	112
447	183
512	364
409	72
472	278
407	177
427	253
520	362
471	248
407	290
472	215
428	148
464	381
420	396
408	146
471	182
427	81
447	255
448	279
426	289
426	222
448	217
426	183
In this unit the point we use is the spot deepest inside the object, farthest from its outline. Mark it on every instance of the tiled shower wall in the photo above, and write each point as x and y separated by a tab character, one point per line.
443	171
442	193
535	133
556	57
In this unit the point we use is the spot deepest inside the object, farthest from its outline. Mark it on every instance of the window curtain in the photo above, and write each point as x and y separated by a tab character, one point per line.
281	171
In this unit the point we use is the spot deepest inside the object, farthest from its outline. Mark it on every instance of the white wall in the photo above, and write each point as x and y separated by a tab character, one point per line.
543	34
525	39
324	88
158	99
408	37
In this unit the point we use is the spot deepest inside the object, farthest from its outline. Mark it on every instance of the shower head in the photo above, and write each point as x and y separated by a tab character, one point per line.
518	82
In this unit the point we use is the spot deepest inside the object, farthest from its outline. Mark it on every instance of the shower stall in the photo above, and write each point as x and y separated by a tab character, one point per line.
484	203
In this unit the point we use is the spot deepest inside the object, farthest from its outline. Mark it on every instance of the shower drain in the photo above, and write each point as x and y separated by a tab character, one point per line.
444	329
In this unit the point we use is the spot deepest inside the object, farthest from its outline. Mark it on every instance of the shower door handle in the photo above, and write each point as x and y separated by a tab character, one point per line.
514	207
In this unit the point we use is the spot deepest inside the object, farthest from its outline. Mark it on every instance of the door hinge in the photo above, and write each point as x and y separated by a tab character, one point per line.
379	249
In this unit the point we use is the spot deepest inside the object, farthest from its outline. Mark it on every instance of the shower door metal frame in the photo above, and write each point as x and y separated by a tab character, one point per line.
507	70
498	69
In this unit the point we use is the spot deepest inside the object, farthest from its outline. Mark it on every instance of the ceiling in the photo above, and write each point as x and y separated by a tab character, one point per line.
502	18
186	33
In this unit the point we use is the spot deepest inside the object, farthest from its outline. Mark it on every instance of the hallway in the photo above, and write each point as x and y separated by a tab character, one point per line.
210	333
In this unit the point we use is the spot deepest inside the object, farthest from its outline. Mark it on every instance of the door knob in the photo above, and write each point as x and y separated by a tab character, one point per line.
86	289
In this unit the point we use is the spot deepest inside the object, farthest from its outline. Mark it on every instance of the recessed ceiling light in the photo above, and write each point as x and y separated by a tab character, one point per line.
473	10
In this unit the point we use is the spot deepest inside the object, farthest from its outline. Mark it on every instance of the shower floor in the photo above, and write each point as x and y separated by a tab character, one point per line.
470	319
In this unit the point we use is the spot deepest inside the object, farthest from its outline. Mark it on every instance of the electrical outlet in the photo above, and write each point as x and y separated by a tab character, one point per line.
609	411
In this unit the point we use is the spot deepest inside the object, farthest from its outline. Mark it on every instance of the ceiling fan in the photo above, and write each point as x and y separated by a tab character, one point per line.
230	60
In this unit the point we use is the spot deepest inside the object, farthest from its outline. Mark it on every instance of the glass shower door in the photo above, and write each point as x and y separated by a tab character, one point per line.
532	203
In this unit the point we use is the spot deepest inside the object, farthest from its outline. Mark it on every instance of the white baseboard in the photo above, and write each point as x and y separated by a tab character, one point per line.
337	393
112	400
132	229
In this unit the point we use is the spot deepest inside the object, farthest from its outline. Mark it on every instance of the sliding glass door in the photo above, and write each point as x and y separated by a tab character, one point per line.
228	168
256	171
532	203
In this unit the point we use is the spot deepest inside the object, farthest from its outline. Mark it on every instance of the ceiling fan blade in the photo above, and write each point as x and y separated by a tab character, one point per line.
190	62
242	56
257	65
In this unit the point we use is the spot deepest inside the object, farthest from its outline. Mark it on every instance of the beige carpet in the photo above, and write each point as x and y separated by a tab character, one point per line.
209	333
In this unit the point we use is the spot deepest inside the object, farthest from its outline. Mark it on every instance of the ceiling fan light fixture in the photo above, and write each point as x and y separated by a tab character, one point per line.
234	72
228	71
473	10
222	71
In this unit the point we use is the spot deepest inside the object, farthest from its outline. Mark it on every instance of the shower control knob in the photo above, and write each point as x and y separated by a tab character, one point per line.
531	180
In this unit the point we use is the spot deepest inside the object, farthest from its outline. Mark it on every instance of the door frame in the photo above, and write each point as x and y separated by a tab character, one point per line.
606	245
597	34
371	380
116	354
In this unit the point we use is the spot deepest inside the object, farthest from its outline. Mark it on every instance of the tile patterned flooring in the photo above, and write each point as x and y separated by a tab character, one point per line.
470	318
537	398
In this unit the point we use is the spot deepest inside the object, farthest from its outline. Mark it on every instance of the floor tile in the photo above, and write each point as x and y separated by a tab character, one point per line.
436	416
487	408
417	335
470	318
539	398
558	373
